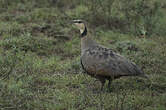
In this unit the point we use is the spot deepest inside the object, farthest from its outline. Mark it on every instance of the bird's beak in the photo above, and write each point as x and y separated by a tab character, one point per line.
73	24
73	21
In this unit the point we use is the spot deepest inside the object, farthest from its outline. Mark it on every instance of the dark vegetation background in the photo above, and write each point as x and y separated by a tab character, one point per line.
40	54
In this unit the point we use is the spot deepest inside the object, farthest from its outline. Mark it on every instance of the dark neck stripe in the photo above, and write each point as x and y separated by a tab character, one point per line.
84	33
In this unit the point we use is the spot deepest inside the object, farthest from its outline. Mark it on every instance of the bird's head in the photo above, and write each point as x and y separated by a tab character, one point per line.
80	24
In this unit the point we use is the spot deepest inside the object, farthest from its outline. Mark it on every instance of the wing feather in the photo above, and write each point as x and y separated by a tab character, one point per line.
105	62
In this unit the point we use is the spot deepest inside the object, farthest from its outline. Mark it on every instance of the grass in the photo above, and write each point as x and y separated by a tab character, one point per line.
40	62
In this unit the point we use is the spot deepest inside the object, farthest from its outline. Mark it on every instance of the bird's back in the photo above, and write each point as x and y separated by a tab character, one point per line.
101	61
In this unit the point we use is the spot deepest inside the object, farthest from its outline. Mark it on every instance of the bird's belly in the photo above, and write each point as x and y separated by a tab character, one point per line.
100	69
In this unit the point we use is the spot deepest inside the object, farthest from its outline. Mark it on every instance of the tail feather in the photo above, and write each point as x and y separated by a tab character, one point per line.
144	76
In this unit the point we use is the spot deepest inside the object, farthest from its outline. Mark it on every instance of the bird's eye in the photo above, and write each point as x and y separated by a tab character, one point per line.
79	21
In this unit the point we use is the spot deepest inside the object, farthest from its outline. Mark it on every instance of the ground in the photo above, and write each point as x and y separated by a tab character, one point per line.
40	63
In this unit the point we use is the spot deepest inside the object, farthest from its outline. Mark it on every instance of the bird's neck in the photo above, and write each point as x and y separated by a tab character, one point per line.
86	42
83	32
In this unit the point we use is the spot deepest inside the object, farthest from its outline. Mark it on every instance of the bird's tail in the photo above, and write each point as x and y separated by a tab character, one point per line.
144	76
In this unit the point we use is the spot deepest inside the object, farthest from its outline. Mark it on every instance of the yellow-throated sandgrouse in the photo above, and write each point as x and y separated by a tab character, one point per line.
101	62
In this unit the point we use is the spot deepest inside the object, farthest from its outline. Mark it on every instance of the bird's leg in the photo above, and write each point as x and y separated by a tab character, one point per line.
109	84
102	83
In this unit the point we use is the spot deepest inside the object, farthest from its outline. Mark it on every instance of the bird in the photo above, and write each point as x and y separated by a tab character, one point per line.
101	62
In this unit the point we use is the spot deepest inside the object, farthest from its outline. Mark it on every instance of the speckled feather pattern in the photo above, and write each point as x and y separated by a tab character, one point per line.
103	62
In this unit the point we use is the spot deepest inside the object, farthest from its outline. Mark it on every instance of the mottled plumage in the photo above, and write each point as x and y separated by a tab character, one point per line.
103	63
